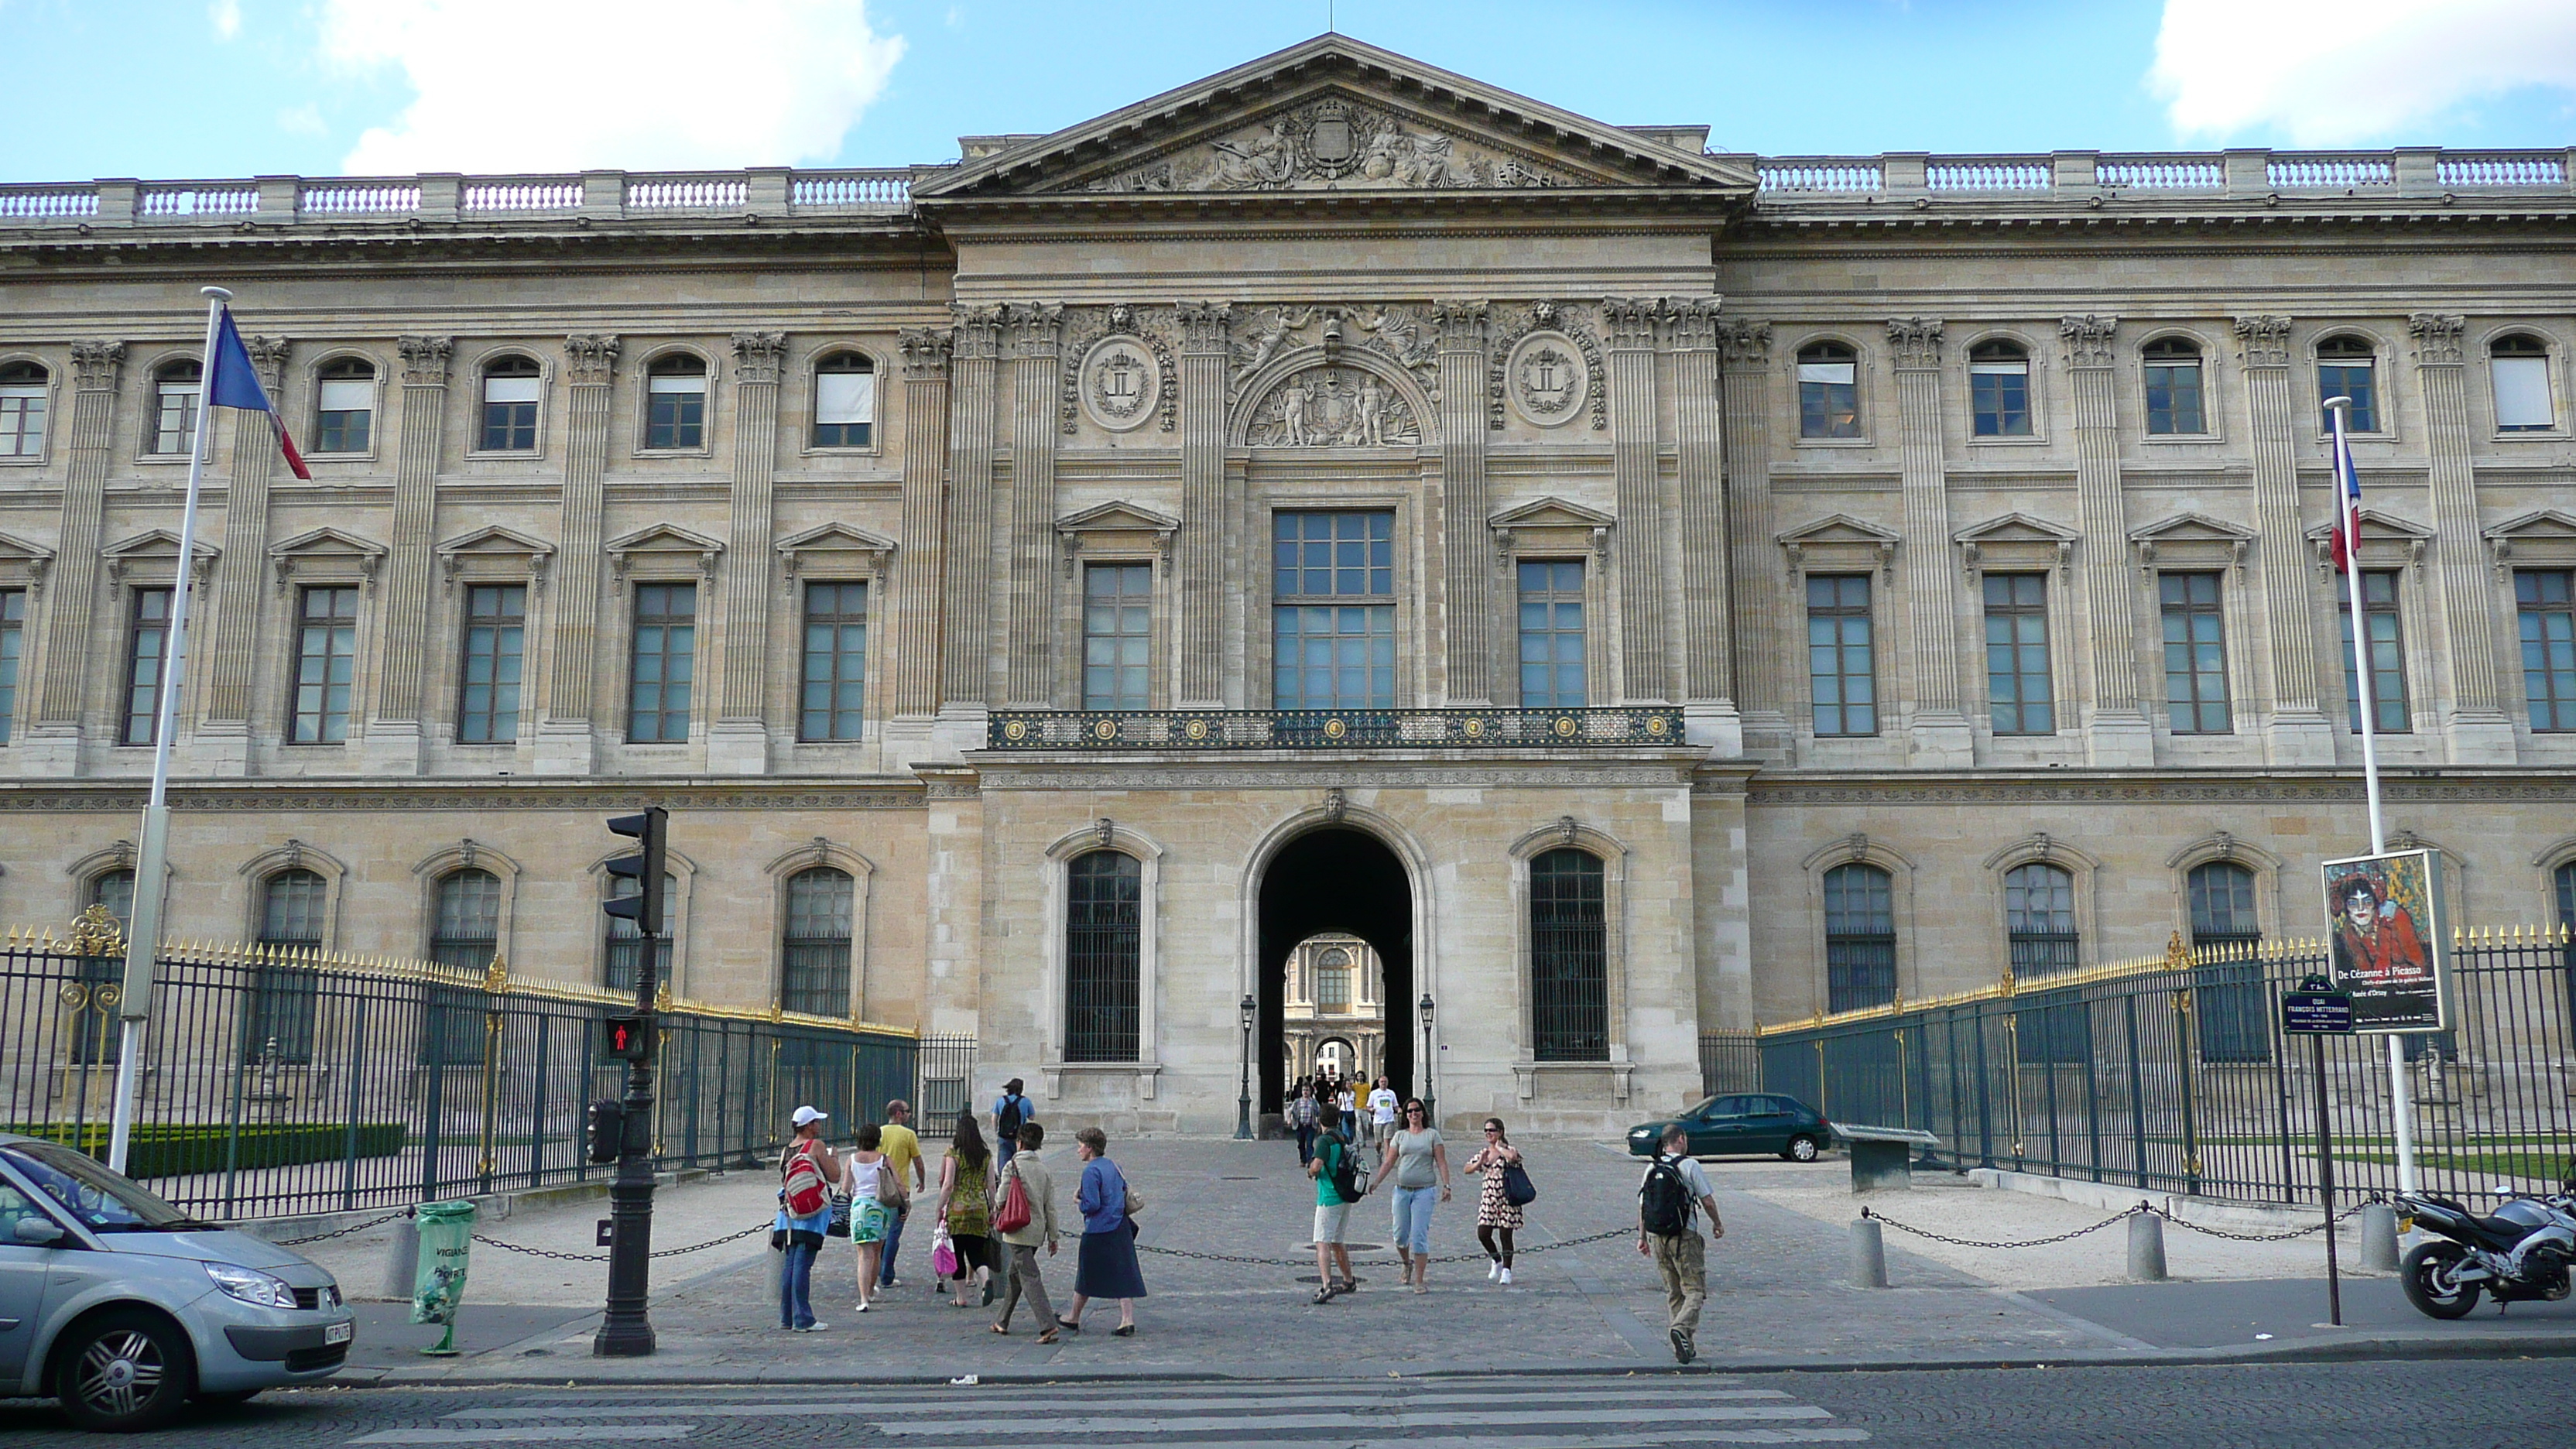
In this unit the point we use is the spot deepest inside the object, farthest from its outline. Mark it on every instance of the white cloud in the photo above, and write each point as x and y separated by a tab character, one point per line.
559	85
2337	72
303	120
225	16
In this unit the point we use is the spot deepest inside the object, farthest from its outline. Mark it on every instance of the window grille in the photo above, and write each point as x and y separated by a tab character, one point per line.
1860	937
2234	1006
1569	958
285	995
1104	957
814	956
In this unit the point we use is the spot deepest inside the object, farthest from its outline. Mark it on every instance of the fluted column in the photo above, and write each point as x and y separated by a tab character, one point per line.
1467	554
220	744
1937	720
738	740
1036	333
2116	733
2297	732
1708	656
966	666
566	744
1761	682
1201	562
2478	731
52	746
917	634
1643	674
396	734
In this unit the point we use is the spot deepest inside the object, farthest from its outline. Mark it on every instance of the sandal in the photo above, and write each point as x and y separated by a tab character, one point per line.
1049	1337
997	1328
1124	1330
1069	1325
1324	1294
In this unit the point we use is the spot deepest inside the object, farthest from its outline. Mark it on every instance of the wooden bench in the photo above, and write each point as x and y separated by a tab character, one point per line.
1882	1157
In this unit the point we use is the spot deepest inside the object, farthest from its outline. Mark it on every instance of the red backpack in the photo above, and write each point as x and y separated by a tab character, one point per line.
806	1193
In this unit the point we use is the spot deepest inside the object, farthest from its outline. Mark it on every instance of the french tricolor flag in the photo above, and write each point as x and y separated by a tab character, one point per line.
2347	534
231	382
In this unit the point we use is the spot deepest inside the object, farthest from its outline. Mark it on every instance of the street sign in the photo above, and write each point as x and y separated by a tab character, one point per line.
2316	1013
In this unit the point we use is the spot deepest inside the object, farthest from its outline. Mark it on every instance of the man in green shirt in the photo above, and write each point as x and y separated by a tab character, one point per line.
1331	1163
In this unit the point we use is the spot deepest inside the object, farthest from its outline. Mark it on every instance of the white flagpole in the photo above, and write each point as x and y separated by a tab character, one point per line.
143	941
2401	1107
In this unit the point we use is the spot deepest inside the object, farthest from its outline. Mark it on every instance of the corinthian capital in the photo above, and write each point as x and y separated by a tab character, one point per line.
2437	338
95	364
1630	321
1696	324
590	359
2088	339
1916	341
1462	324
1206	327
1745	343
268	359
979	332
1036	328
424	360
2266	340
925	353
757	356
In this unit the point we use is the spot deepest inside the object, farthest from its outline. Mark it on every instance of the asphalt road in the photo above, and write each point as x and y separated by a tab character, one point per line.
2509	1404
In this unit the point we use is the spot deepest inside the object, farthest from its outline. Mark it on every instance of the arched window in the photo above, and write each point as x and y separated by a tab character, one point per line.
1333	981
174	408
845	401
1999	389
22	410
512	387
2346	367
2039	919
2518	368
625	952
2174	397
2222	905
1104	950
814	953
293	906
97	1033
1828	391
2234	1009
344	406
1860	937
675	402
1569	958
467	930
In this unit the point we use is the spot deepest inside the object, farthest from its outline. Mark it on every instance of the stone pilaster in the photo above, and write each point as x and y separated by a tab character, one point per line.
1708	660
2116	732
395	735
2478	732
220	744
966	665
1639	591
1466	549
1205	354
738	740
917	634
1761	682
1937	734
2298	732
52	743
1036	332
566	742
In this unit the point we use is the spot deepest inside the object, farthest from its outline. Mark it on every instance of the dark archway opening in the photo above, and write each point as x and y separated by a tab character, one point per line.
1336	879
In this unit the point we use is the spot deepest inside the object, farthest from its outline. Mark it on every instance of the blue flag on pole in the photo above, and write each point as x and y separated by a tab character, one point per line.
231	382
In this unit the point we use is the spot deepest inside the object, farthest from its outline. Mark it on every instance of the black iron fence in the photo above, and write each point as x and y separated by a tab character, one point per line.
279	1083
946	1084
2173	1074
1729	1061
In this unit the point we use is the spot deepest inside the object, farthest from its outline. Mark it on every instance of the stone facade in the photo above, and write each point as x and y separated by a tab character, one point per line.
1548	726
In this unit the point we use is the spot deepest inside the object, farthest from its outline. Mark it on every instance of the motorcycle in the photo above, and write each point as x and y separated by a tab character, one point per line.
2520	1254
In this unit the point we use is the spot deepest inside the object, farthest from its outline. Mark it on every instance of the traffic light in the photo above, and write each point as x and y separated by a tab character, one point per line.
607	1135
651	830
626	1039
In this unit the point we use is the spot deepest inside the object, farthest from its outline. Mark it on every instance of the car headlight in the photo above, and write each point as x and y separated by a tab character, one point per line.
251	1286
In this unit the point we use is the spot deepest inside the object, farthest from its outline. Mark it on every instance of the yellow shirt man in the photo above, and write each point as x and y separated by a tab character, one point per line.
902	1148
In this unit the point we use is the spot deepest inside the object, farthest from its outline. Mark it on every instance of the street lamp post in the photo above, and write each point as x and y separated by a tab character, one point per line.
1430	1109
1251	1011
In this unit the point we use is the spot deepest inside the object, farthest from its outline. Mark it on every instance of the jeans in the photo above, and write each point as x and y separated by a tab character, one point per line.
796	1284
893	1244
1305	1145
1413	1217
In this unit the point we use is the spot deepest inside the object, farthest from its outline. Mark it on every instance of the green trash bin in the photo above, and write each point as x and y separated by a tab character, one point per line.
446	1237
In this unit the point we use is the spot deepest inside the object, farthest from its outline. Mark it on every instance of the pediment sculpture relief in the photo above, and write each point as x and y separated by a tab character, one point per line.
1333	145
1333	407
1405	336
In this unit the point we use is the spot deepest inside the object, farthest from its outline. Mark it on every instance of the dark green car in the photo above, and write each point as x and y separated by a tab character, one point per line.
1740	1124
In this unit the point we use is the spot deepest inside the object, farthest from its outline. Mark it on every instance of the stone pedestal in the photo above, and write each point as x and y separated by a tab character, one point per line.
737	747
392	747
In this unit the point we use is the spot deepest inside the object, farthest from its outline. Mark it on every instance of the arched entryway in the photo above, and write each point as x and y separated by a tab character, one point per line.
1336	879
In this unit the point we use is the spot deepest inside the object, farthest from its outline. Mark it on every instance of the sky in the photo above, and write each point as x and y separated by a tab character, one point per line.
227	88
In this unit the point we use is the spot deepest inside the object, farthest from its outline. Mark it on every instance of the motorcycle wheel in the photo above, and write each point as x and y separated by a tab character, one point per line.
2427	1267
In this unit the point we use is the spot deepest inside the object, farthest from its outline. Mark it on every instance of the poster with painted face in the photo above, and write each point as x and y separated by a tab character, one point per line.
2390	943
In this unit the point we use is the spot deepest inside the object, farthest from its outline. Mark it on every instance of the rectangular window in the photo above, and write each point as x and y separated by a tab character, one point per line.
510	413
174	417
845	408
346	417
1828	400
2387	656
1117	635
22	420
836	662
326	660
2521	396
2018	690
663	663
147	634
1999	398
2195	653
675	414
2543	599
2350	378
13	647
487	696
2173	398
1841	669
1552	635
1333	611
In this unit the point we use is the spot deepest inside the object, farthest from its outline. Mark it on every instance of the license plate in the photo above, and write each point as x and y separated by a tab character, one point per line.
338	1332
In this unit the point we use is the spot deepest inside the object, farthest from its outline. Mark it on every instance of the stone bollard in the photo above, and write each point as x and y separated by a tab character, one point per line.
2378	1237
1868	1254
2146	1247
402	1260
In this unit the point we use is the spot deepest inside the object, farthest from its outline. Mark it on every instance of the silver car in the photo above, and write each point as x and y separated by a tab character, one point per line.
125	1308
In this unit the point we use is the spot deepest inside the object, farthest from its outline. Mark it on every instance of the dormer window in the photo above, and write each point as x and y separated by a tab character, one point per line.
845	401
345	410
675	402
2518	365
1828	391
1999	389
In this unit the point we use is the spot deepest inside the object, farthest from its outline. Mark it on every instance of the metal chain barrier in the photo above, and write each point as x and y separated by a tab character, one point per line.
377	1221
603	1257
2149	1209
2317	1227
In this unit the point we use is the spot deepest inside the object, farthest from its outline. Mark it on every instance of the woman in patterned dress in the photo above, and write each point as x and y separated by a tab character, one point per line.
1496	1215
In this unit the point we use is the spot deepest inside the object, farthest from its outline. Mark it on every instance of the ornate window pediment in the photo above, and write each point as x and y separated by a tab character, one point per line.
834	549
23	563
153	555
2016	541
2387	541
1116	529
495	553
1839	542
664	550
1551	525
326	554
2190	540
2544	536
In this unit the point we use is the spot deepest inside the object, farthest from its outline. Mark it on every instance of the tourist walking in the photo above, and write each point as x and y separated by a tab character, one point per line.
1023	1240
865	1177
1674	1182
1010	1112
1303	1114
1418	1165
806	1171
1381	1111
1497	1216
1344	1099
902	1148
1336	1188
966	1209
1105	1265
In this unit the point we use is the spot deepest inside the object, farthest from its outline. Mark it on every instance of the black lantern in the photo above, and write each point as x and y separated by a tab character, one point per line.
1251	1013
1430	1111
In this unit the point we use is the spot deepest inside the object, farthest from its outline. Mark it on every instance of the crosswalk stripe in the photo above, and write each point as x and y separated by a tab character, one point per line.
1678	1399
529	1434
1782	1434
1345	1419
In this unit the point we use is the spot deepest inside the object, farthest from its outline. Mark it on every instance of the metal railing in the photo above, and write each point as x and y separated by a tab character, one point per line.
1331	729
1729	1061
2172	1074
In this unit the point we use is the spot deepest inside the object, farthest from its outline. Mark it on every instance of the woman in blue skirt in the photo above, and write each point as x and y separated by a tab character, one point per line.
1107	1266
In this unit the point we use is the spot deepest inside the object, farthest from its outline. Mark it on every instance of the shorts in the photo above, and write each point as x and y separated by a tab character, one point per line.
1330	1222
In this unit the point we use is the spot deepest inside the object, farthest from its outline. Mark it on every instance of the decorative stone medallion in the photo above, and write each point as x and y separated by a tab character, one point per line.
1121	379
1549	380
1333	407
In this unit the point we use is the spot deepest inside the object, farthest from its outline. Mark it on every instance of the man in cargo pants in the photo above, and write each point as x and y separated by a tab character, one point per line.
1673	1184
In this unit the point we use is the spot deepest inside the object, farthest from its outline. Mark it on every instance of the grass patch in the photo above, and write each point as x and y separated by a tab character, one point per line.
179	1149
2540	1163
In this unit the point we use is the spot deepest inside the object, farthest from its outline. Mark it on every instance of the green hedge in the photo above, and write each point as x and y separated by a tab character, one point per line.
178	1149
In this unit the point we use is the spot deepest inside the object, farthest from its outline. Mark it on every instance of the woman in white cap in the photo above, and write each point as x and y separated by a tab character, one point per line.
806	1171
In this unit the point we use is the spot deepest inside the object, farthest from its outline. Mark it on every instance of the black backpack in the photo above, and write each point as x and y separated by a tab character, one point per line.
1663	1200
1007	1121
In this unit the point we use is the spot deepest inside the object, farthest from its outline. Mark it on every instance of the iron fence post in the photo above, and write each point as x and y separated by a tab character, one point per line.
357	1077
2188	1084
434	1047
2137	1085
537	1107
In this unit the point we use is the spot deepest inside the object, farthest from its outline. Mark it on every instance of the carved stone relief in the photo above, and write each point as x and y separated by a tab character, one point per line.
1538	389
1406	336
1118	370
1333	407
1333	145
1548	379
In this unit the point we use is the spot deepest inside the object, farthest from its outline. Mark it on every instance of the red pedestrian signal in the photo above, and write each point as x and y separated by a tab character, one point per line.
627	1039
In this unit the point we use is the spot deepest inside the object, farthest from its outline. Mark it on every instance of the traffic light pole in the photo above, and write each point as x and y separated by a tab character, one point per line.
627	1329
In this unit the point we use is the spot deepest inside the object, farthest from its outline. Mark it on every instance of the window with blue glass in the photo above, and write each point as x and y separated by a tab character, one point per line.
2387	647
1999	389
2019	695
2195	624
836	662
512	388
2545	606
2347	366
1552	635
1332	589
663	664
2175	399
675	402
1842	669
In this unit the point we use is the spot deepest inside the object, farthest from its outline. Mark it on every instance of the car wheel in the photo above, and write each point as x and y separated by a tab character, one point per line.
124	1371
1801	1149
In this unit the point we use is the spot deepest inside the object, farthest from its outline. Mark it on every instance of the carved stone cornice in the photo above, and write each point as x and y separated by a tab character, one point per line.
268	359
757	357
424	360
1916	342
2437	338
925	353
2088	339
1696	324
1462	324
95	365
979	332
2265	338
1745	343
590	359
1630	321
1206	327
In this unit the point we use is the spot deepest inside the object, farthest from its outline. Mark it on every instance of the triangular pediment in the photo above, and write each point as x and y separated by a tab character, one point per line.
496	540
1334	114
830	546
1117	516
2013	528
152	546
664	538
1840	528
2548	523
2375	522
2190	528
326	543
1550	512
